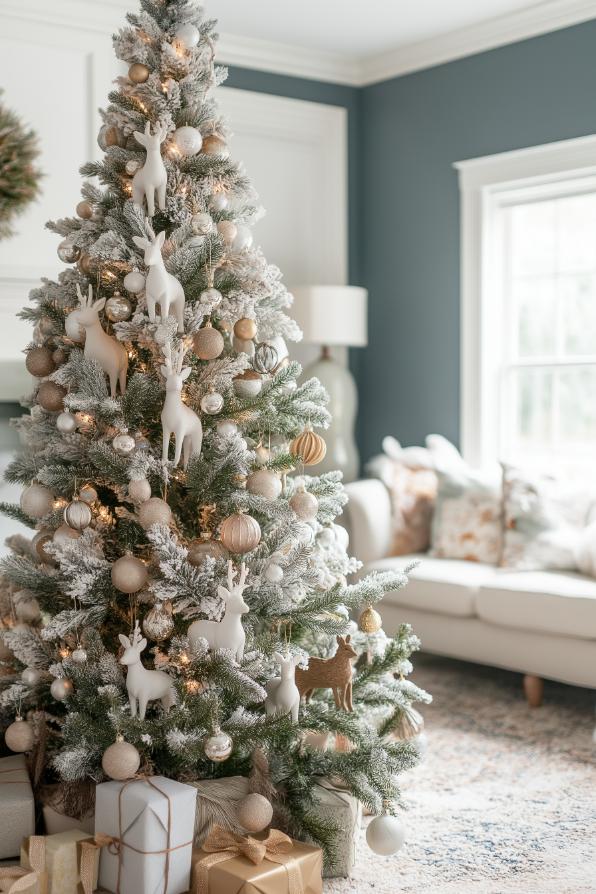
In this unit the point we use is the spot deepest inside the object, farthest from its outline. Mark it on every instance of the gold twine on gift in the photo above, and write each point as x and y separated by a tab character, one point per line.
19	879
222	845
115	843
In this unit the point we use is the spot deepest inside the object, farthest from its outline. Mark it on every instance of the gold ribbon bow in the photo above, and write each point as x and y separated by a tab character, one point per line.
222	844
15	878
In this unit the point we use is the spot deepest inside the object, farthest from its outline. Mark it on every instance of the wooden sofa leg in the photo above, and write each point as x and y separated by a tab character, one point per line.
534	690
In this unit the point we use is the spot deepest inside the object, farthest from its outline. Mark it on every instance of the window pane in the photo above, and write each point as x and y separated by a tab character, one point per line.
536	317
532	238
576	228
530	406
578	296
576	420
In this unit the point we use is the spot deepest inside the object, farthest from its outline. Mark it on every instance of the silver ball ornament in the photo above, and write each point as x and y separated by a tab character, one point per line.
31	676
254	812
212	403
77	515
218	747
158	623
129	574
134	282
123	444
264	483
19	736
218	201
61	689
121	760
139	490
67	252
226	428
211	296
385	835
79	655
66	423
118	308
243	239
187	36
132	166
188	140
154	511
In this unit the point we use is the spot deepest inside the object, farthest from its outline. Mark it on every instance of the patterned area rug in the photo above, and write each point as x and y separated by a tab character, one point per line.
505	800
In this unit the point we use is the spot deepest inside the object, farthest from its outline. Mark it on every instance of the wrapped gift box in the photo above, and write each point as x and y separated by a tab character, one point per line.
55	822
64	862
152	822
239	875
344	811
31	876
17	809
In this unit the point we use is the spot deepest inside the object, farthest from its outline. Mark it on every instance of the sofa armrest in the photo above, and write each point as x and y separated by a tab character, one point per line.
367	518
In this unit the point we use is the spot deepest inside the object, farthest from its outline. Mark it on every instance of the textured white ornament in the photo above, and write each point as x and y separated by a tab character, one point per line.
61	689
305	505
79	655
107	351
176	418
73	328
243	239
134	282
66	423
77	515
264	483
123	444
154	511
37	500
212	403
254	812
121	760
64	534
139	490
188	140
385	835
19	736
152	178
274	573
228	633
202	223
144	685
218	747
226	428
283	696
31	676
248	384
161	287
187	36
305	534
129	574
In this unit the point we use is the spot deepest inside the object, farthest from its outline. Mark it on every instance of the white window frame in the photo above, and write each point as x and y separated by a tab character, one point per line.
485	185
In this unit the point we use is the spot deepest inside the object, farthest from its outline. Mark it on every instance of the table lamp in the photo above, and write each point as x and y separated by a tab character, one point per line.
334	316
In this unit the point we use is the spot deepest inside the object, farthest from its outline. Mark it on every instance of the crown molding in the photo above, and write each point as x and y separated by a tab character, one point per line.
106	16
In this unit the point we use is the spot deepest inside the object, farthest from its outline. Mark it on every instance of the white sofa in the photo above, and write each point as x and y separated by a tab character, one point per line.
540	623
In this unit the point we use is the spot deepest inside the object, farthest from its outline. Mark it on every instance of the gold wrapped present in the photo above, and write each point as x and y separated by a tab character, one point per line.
236	864
30	877
71	861
17	810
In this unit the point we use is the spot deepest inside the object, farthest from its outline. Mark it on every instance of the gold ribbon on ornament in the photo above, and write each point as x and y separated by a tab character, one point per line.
15	878
222	844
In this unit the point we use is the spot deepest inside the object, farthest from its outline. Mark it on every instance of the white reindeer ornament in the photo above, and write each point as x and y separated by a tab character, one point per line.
228	633
152	178
105	349
283	695
161	287
144	685
176	418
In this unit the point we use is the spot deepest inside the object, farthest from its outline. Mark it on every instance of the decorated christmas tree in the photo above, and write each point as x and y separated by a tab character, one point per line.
186	583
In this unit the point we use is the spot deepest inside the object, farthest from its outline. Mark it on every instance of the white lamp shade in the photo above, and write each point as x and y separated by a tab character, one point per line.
331	315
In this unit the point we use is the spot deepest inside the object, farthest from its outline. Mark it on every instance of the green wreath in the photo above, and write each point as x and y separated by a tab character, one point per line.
19	178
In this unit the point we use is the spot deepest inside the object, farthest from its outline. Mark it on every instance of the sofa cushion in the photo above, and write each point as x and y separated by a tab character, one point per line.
448	586
545	601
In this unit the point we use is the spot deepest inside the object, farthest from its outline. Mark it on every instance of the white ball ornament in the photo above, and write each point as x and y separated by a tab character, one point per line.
77	515
123	444
31	676
154	511
132	166
28	610
274	573
79	655
188	140
187	36
61	689
264	483
226	428
254	812
66	423
212	403
243	239
129	574
121	760
325	537
305	505
385	835
134	282
139	490
37	500
73	328
19	736
218	201
218	747
65	534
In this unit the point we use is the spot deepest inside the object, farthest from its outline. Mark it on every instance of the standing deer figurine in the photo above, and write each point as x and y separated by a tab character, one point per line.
282	693
330	673
176	417
105	349
161	287
144	685
228	633
152	178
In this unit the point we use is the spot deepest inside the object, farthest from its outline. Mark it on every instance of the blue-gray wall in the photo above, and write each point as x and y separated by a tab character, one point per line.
413	129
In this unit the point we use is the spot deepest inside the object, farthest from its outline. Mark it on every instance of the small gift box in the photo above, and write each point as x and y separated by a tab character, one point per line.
147	828
235	864
17	809
71	861
30	877
345	812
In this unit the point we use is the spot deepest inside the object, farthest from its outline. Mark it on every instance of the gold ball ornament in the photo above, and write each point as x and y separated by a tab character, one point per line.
118	308
77	515
121	760
245	328
264	483
213	144
370	620
305	505
254	812
218	747
64	534
208	342
61	689
51	396
84	210
37	500
138	73
158	623
139	490
129	574
154	511
240	533
19	736
206	548
40	362
86	264
309	447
